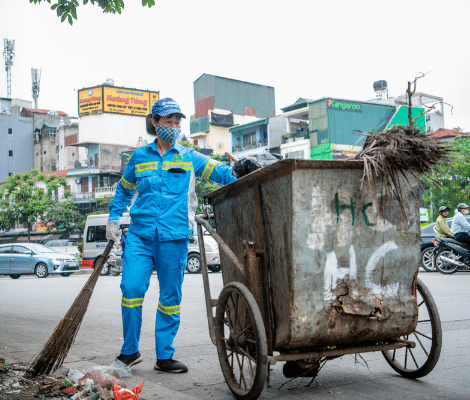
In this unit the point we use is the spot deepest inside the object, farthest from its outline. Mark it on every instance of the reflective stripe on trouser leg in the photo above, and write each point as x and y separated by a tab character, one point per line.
170	264
136	271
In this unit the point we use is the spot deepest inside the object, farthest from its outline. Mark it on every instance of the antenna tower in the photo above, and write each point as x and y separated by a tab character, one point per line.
8	55
36	79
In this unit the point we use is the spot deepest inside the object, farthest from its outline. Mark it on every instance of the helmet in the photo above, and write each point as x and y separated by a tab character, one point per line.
125	230
443	208
461	205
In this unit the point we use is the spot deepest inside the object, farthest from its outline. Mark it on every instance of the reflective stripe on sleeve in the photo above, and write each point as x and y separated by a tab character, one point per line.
132	302
170	310
209	168
188	166
127	184
146	166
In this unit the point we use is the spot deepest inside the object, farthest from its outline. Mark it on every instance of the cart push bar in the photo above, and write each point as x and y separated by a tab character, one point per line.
249	272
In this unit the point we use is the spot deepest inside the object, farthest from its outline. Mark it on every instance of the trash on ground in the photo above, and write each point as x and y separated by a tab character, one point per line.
126	394
98	384
117	369
101	379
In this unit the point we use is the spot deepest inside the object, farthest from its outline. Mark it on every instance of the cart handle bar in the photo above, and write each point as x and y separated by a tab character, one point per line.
200	220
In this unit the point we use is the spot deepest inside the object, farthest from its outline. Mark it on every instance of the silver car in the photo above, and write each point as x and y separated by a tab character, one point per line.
31	258
194	264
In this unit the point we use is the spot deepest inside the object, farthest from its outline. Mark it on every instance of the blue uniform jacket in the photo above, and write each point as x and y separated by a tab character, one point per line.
166	201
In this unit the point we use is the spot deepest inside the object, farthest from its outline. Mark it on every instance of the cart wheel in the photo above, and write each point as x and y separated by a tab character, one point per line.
241	341
420	361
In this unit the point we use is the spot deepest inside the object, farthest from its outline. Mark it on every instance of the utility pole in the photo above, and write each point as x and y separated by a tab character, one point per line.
36	82
8	55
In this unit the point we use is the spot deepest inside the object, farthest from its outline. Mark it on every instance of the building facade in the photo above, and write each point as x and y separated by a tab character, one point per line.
434	118
222	103
16	138
327	128
112	114
46	124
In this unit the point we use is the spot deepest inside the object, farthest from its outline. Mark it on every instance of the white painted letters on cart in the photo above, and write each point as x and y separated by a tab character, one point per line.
334	275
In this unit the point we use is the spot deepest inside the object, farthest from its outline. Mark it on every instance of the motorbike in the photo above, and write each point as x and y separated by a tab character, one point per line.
112	266
450	255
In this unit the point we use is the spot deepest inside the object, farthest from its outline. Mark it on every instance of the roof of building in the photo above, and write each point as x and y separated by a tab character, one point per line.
249	125
40	111
443	133
58	173
299	103
88	144
231	79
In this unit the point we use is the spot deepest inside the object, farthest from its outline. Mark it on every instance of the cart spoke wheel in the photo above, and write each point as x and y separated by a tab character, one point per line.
241	341
420	361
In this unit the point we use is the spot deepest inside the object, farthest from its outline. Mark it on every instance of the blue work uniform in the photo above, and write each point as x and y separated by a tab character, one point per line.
162	220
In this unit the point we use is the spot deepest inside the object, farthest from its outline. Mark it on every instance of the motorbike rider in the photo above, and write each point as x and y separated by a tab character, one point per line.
442	228
123	240
460	225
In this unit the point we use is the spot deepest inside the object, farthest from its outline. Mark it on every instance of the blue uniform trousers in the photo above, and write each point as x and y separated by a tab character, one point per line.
169	260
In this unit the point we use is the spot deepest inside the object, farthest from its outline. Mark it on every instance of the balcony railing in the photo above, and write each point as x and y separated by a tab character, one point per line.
294	136
249	146
106	191
99	193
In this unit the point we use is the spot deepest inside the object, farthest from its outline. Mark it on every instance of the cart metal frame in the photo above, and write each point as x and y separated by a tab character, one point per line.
250	298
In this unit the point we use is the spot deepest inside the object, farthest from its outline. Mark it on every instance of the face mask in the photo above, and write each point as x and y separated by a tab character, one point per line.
465	212
168	133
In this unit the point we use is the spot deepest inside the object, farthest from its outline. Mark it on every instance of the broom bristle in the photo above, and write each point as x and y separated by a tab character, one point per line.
57	347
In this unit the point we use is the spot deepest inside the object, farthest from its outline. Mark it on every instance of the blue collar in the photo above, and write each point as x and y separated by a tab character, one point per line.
175	146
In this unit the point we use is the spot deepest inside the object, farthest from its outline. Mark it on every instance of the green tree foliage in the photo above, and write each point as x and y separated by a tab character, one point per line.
104	206
67	9
454	179
26	197
64	216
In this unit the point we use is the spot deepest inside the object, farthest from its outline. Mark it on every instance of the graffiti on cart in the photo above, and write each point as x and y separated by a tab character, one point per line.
334	275
351	207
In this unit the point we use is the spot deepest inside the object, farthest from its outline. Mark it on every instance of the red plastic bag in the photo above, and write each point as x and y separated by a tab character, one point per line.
126	394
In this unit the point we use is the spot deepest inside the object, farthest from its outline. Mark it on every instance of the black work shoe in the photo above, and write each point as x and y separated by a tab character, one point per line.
131	359
170	365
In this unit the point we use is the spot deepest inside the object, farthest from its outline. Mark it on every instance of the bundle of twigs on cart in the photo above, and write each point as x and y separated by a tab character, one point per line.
400	152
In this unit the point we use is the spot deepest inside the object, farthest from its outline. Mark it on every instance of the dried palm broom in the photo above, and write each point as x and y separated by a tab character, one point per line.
55	350
400	152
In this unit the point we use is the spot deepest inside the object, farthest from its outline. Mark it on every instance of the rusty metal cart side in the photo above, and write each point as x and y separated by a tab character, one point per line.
315	267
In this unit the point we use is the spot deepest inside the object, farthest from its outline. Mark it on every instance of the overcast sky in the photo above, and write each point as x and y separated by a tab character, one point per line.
306	48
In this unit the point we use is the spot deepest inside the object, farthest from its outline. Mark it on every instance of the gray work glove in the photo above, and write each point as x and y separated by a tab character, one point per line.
113	231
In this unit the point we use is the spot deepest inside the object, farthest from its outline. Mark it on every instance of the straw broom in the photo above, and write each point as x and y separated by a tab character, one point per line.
55	350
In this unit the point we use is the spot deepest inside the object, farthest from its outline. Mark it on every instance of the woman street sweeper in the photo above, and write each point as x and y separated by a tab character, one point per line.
164	174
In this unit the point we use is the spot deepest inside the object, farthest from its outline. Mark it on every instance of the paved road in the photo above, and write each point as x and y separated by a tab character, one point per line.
31	308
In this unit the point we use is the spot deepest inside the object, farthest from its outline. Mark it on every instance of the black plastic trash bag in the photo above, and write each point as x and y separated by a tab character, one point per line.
249	164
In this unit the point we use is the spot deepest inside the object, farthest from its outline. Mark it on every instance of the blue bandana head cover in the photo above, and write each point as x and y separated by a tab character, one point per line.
168	133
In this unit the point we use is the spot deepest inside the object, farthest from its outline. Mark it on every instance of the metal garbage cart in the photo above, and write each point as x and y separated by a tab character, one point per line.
315	267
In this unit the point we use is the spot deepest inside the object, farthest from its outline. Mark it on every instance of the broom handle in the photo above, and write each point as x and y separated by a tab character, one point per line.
102	260
231	156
